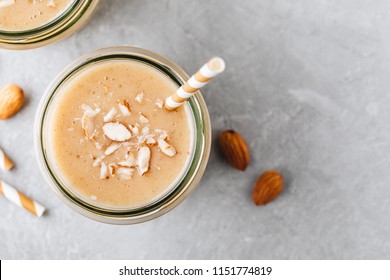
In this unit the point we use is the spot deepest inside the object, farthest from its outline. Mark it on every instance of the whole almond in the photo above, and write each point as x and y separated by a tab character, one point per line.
268	187
11	100
235	149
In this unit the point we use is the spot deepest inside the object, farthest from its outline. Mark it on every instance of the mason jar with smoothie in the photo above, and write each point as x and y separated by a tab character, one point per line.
26	24
121	136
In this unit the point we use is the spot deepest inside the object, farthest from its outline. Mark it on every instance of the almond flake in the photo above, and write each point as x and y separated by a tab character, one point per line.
134	129
88	125
112	167
166	148
125	173
124	106
112	148
161	134
98	161
150	141
159	103
88	110
143	160
116	131
110	115
50	3
145	130
127	164
103	171
143	118
6	3
139	97
98	145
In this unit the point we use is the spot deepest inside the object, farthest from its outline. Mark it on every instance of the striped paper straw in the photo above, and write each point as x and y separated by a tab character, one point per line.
5	162
20	199
208	71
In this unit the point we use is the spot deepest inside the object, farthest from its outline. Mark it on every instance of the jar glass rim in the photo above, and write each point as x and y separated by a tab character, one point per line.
61	24
202	141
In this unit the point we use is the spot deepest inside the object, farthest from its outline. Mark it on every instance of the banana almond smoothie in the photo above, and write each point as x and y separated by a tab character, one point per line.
111	139
19	15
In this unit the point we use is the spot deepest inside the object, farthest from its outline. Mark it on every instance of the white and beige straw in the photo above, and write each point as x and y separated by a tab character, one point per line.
208	71
5	162
20	199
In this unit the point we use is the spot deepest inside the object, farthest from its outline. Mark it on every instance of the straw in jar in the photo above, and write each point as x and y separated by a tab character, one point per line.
205	74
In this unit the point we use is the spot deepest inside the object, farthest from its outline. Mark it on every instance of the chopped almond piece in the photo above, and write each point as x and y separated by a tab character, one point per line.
124	106
161	134
139	97
159	103
125	173
98	161
143	160
145	130
88	126
103	171
50	3
116	131
143	118
112	168
88	110
6	3
112	148
98	145
134	129
166	148
150	141
110	115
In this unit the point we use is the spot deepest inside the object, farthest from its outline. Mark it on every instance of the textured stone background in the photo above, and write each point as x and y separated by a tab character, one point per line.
307	84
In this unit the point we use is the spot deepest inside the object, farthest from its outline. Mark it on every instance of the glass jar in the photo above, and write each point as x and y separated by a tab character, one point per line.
183	187
62	26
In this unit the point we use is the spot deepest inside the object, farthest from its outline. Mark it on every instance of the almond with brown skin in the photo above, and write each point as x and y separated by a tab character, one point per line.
235	149
268	187
11	100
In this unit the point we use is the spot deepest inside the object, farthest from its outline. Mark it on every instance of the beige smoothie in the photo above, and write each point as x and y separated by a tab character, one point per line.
112	141
19	15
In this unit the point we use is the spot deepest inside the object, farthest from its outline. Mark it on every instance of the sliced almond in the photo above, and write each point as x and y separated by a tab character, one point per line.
159	103
125	173
143	118
166	148
139	97
161	134
110	115
145	130
116	131
103	171
112	167
134	129
98	145
124	107
88	126
88	110
98	161
143	159
151	141
112	148
50	3
6	3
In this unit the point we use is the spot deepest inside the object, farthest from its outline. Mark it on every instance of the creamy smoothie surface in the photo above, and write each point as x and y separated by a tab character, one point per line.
112	141
18	15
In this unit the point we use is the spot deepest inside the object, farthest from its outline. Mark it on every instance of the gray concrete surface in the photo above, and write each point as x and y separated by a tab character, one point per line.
307	84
